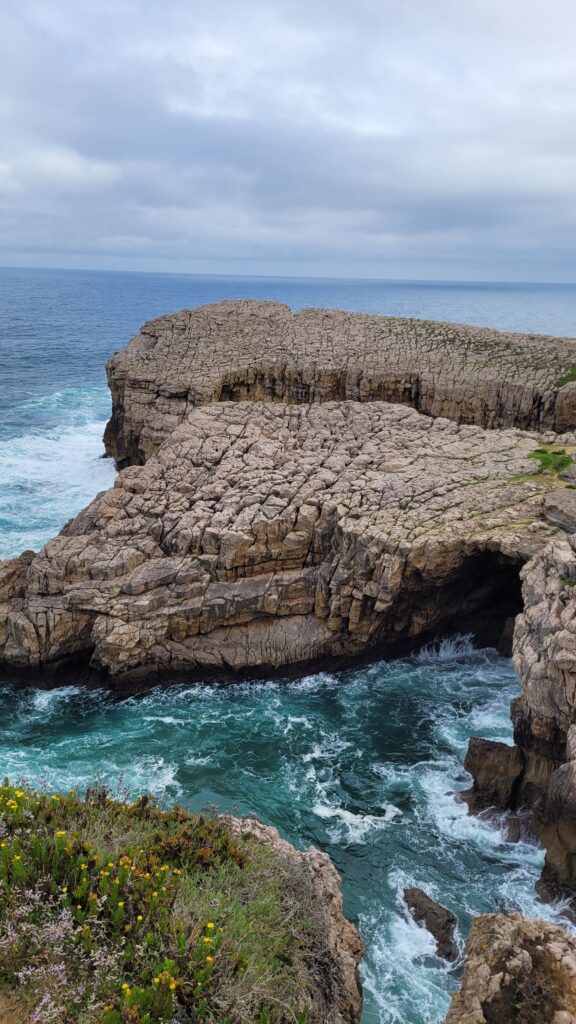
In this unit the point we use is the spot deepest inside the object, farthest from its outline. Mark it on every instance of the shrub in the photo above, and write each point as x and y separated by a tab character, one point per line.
120	913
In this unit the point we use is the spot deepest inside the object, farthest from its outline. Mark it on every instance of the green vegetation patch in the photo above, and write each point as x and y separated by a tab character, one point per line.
123	913
552	460
566	378
569	581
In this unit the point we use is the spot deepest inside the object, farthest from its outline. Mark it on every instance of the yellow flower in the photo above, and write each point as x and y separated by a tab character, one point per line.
156	981
209	959
172	985
139	918
154	894
60	833
56	798
17	856
207	938
121	903
125	986
64	888
210	924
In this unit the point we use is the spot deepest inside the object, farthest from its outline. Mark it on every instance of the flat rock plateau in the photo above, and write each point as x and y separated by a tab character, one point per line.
303	489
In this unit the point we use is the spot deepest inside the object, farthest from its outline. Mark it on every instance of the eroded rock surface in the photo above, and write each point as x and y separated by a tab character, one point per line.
517	971
265	535
261	350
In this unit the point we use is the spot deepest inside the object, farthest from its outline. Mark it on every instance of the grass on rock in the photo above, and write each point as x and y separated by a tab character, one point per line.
566	378
551	460
123	913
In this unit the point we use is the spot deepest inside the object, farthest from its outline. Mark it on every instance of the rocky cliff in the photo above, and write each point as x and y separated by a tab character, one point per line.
539	772
262	351
340	992
516	972
267	535
280	506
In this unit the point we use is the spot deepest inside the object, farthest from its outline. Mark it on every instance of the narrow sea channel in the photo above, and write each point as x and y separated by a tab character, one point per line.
363	764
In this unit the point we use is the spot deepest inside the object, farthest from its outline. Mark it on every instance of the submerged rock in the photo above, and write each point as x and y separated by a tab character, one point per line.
517	971
440	922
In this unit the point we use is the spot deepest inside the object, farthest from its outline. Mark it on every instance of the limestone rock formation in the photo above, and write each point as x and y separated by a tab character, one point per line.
440	922
517	971
341	987
267	535
542	766
261	350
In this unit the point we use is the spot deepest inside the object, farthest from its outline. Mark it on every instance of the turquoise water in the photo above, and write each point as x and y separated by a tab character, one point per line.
363	764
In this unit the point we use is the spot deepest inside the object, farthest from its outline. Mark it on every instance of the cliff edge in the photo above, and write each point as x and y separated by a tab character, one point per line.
261	351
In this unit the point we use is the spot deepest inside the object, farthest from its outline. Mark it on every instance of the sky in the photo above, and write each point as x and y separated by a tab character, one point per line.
407	139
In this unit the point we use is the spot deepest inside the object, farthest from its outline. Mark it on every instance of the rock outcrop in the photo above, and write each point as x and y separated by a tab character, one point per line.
267	535
262	351
540	771
439	921
517	971
495	769
341	989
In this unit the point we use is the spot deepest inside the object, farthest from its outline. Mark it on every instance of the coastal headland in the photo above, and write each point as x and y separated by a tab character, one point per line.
304	489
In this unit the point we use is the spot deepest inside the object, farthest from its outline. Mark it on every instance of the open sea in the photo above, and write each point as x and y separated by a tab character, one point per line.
363	764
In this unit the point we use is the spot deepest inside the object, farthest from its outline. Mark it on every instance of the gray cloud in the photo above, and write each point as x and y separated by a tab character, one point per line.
428	138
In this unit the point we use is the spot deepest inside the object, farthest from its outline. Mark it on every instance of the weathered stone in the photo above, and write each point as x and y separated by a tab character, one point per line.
517	971
441	923
495	768
267	535
560	508
262	351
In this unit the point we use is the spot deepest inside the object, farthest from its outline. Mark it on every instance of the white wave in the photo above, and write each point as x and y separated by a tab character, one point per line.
49	476
46	700
356	826
459	646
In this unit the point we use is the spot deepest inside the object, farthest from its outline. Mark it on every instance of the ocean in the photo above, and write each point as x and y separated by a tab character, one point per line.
363	763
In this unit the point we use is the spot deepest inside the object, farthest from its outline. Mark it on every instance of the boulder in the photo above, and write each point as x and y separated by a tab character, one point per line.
495	768
517	971
441	923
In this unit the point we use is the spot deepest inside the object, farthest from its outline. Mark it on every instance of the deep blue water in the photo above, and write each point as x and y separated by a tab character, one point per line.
363	764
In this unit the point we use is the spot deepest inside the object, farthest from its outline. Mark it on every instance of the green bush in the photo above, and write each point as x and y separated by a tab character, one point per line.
123	913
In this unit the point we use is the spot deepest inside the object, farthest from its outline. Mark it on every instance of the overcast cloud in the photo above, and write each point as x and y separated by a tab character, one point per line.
376	138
